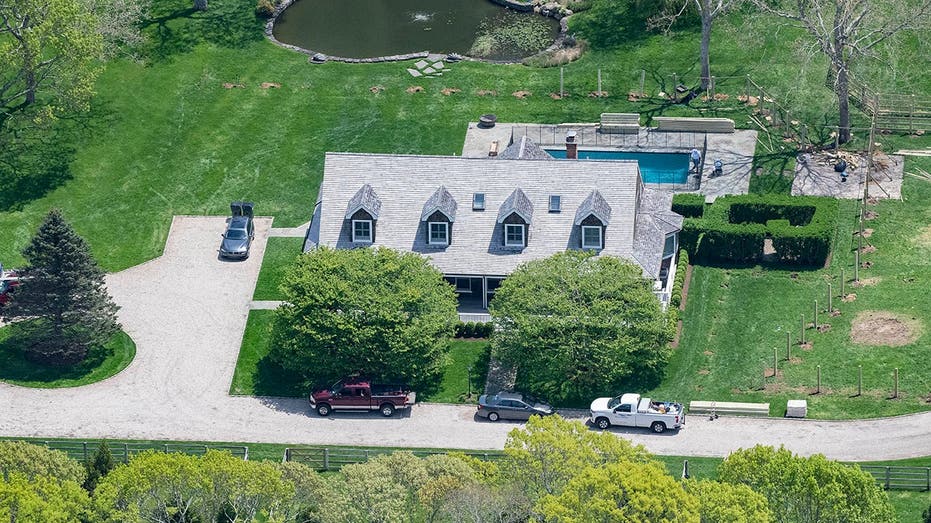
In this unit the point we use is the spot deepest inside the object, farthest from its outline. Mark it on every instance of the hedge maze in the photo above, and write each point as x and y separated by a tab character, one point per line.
733	229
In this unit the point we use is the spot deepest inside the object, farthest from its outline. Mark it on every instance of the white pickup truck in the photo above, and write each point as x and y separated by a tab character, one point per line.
630	410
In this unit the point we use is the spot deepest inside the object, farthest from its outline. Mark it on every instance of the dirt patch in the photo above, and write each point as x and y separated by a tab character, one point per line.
521	94
884	328
866	264
227	85
924	238
414	89
704	372
824	327
486	92
634	96
450	90
867	232
270	85
795	361
806	346
835	313
867	282
749	100
557	96
375	89
598	94
768	373
708	353
866	249
849	298
870	215
872	200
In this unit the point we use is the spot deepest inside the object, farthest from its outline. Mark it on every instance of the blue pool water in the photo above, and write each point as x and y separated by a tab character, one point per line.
654	167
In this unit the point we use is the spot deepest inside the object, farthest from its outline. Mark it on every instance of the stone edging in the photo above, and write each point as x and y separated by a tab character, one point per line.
510	4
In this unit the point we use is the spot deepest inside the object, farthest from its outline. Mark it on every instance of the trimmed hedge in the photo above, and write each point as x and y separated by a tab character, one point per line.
474	329
733	228
681	268
689	205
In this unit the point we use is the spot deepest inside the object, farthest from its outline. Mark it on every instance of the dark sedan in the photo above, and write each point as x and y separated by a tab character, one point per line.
511	405
239	232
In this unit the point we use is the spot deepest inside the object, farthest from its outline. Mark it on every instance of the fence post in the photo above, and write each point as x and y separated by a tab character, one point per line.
830	299
643	77
856	268
803	328
788	346
816	314
287	455
166	448
84	447
326	458
819	380
927	478
685	469
245	456
125	452
775	364
859	380
888	476
561	71
842	283
895	382
599	81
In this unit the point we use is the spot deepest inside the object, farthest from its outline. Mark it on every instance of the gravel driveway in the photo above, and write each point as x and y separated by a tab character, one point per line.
187	310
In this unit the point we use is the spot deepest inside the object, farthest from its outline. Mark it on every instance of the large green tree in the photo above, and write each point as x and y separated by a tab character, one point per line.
34	461
377	312
621	492
48	50
808	489
576	325
728	502
62	297
41	499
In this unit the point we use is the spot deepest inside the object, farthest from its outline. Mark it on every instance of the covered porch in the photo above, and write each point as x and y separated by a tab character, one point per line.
474	294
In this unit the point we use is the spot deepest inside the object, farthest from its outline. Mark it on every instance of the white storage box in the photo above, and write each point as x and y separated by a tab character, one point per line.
797	408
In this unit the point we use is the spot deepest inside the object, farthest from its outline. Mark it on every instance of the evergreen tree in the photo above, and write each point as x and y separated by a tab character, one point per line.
63	297
100	464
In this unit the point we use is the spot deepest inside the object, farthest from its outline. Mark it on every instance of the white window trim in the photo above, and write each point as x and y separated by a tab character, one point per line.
522	235
600	239
356	239
478	205
430	233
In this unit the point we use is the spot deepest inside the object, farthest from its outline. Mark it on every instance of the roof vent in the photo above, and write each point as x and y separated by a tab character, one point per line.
555	203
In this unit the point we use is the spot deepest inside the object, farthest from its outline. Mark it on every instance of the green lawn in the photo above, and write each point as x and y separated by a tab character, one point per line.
254	374
279	254
164	137
101	363
736	317
455	385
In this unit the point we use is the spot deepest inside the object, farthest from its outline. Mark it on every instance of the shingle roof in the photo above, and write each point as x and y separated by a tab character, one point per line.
594	205
441	201
365	199
655	220
524	149
518	203
405	183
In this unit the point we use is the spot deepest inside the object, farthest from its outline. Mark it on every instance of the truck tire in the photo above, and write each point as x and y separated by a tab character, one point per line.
493	416
602	423
658	427
387	410
324	410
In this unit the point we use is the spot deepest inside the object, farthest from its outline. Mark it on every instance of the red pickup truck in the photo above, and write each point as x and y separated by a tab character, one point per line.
362	395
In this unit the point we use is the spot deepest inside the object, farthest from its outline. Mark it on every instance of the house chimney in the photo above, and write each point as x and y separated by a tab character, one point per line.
572	148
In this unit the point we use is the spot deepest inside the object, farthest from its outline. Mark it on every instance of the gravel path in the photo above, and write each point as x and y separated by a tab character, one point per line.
186	311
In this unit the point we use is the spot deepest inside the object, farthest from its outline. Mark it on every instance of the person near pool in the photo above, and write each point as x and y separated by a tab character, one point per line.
696	159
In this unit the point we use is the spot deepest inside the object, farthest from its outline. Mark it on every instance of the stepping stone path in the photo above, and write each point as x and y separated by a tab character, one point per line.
430	67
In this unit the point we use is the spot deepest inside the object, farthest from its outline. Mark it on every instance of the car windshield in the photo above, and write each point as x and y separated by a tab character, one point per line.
535	402
614	402
236	234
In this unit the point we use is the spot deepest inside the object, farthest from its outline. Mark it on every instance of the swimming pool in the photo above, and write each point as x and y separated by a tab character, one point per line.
654	167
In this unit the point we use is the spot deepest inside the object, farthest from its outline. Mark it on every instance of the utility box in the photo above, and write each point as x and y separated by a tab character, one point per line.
797	408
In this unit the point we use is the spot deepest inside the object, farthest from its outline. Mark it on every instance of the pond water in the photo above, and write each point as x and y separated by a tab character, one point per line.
370	28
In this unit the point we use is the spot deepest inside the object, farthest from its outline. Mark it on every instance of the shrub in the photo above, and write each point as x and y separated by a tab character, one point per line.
265	8
678	283
689	205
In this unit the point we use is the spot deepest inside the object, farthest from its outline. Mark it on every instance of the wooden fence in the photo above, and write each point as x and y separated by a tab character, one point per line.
123	451
329	458
893	111
901	478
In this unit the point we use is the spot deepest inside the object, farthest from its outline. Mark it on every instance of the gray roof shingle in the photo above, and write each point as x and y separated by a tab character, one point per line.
404	184
441	201
518	203
594	205
365	199
524	149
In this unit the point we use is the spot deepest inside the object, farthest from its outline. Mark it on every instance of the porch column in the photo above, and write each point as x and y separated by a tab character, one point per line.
485	292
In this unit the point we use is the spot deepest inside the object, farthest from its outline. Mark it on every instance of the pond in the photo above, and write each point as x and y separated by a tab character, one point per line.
371	28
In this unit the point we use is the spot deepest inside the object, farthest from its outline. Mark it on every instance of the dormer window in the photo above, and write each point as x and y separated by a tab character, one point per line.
555	203
478	201
514	235
591	237
439	233
362	231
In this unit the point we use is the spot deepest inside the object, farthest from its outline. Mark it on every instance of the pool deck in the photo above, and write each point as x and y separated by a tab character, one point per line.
735	150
